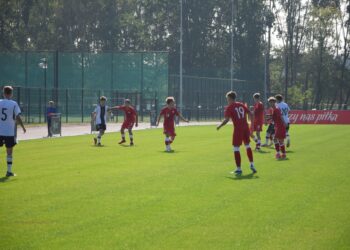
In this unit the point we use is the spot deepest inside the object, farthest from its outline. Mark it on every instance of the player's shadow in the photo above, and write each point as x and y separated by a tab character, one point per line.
4	179
290	152
250	176
171	152
261	152
126	146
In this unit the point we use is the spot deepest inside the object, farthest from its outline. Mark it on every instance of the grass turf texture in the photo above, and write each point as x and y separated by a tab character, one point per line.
71	195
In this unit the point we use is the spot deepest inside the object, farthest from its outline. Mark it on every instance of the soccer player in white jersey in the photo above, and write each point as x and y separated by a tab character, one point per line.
285	112
10	114
100	116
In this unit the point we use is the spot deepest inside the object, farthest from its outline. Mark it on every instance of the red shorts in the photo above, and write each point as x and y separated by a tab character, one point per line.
169	130
240	136
258	126
280	132
127	125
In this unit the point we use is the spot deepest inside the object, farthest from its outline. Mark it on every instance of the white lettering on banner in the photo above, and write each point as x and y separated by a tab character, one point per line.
307	117
293	118
329	116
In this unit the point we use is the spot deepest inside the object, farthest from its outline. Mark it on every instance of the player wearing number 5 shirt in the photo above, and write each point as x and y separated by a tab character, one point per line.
238	112
10	114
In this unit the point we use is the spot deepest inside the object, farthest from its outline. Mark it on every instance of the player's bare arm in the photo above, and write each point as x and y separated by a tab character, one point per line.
183	118
158	120
93	116
137	121
20	122
251	118
224	122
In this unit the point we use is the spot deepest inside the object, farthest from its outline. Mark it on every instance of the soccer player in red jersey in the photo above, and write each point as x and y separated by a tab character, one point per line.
238	112
169	113
280	129
258	119
130	118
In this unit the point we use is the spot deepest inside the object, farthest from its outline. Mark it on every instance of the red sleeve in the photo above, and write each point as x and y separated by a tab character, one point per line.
121	108
227	112
246	109
176	112
134	111
162	112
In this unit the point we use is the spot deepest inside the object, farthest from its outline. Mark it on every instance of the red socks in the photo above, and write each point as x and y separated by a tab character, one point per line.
250	154
283	148
277	147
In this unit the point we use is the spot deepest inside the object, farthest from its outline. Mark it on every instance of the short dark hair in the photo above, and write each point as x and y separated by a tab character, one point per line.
279	97
7	90
169	100
127	101
256	95
103	98
232	95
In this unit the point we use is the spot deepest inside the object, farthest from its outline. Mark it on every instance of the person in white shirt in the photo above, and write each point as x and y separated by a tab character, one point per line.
10	114
100	117
285	114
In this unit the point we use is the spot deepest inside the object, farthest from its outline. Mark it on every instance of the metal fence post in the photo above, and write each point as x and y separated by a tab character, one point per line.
66	105
141	101
40	106
28	105
82	87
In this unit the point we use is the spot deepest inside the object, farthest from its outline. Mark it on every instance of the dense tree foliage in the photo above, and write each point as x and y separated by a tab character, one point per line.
308	54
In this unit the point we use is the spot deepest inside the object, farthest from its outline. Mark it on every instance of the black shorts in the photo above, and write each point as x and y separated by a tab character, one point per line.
101	126
271	129
9	141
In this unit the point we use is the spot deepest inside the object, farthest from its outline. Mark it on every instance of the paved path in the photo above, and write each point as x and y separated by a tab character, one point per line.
38	132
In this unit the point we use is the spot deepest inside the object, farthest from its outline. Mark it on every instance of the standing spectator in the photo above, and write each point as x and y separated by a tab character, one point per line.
50	111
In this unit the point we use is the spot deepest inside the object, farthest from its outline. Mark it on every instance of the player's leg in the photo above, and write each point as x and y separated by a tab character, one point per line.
49	134
122	132
283	148
172	138
237	156
249	151
258	140
167	142
99	136
10	142
237	140
272	134
277	147
131	136
287	135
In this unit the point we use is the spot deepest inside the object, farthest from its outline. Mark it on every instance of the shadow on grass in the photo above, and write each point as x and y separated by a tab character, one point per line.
127	145
250	176
6	179
171	152
261	152
95	146
290	151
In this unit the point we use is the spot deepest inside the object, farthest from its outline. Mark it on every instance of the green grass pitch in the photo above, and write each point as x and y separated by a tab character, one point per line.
71	195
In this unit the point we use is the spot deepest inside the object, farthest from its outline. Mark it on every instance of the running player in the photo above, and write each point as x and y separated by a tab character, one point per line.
100	116
169	113
130	118
280	129
285	112
238	112
258	119
10	114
